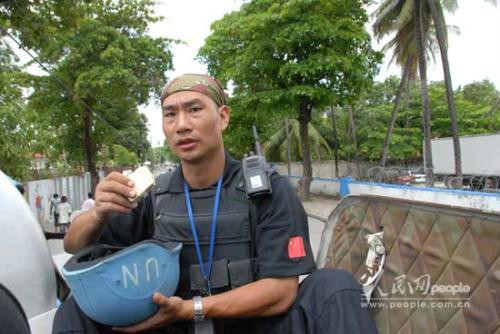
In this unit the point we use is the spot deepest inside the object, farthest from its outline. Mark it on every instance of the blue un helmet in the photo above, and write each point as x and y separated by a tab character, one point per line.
115	285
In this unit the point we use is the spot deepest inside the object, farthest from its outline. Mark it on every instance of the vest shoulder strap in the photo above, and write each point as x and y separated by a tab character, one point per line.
162	184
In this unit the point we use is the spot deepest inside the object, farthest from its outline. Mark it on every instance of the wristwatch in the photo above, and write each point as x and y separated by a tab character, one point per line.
198	309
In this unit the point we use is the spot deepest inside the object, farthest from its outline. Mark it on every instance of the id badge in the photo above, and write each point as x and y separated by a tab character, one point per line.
205	326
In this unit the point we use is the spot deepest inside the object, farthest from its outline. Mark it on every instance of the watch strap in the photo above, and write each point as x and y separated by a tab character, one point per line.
198	309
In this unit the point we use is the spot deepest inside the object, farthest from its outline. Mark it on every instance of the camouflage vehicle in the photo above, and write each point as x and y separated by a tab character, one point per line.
425	268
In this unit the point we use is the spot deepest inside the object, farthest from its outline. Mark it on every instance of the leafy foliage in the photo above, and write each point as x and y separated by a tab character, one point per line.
475	107
15	155
103	66
278	53
290	57
123	157
275	146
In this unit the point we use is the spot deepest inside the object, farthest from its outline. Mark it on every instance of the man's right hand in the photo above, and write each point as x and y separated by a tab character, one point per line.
112	195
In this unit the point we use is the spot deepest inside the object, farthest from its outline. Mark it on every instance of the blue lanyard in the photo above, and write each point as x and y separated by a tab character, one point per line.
205	272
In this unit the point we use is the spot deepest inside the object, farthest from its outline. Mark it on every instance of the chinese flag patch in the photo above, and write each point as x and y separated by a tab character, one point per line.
296	247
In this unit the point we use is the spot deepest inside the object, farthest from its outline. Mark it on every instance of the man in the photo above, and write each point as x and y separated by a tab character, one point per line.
54	209
64	210
89	202
260	247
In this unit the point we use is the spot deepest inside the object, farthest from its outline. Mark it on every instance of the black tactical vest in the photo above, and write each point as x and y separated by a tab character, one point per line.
234	255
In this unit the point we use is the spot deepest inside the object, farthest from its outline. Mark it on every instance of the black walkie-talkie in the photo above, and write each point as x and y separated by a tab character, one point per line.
255	171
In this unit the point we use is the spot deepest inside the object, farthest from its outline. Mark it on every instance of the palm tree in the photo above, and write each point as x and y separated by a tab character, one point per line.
405	55
395	15
277	145
392	121
422	23
412	26
436	9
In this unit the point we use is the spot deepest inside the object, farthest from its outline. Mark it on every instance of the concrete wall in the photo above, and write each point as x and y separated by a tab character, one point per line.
75	188
487	201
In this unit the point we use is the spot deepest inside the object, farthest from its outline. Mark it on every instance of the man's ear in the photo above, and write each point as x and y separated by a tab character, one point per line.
224	117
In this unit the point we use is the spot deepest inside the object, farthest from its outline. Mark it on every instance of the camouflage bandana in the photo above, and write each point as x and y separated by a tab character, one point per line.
200	83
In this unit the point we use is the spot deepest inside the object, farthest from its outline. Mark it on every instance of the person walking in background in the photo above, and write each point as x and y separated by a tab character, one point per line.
54	209
64	213
39	208
89	202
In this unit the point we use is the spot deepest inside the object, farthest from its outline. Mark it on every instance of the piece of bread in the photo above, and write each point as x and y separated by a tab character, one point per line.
143	181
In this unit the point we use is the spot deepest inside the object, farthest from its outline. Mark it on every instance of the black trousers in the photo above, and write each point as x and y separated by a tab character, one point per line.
328	301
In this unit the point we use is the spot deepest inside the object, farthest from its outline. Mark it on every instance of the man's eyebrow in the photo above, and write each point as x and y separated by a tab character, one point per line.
185	105
169	107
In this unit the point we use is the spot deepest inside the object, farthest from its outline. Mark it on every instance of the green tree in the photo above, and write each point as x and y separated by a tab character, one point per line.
436	9
103	66
395	15
473	116
474	104
15	135
123	157
291	57
276	146
133	136
404	53
482	93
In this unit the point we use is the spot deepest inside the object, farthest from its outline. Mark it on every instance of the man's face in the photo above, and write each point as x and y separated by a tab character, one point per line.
193	125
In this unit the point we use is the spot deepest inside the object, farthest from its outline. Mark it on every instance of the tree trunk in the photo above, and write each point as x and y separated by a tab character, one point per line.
406	102
426	114
89	144
335	141
288	148
440	33
354	139
395	110
304	119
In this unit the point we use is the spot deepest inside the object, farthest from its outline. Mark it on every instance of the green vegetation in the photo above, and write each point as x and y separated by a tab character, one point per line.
297	60
292	57
102	67
477	110
15	156
123	157
418	26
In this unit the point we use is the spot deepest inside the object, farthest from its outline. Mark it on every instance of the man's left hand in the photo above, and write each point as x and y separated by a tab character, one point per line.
171	310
